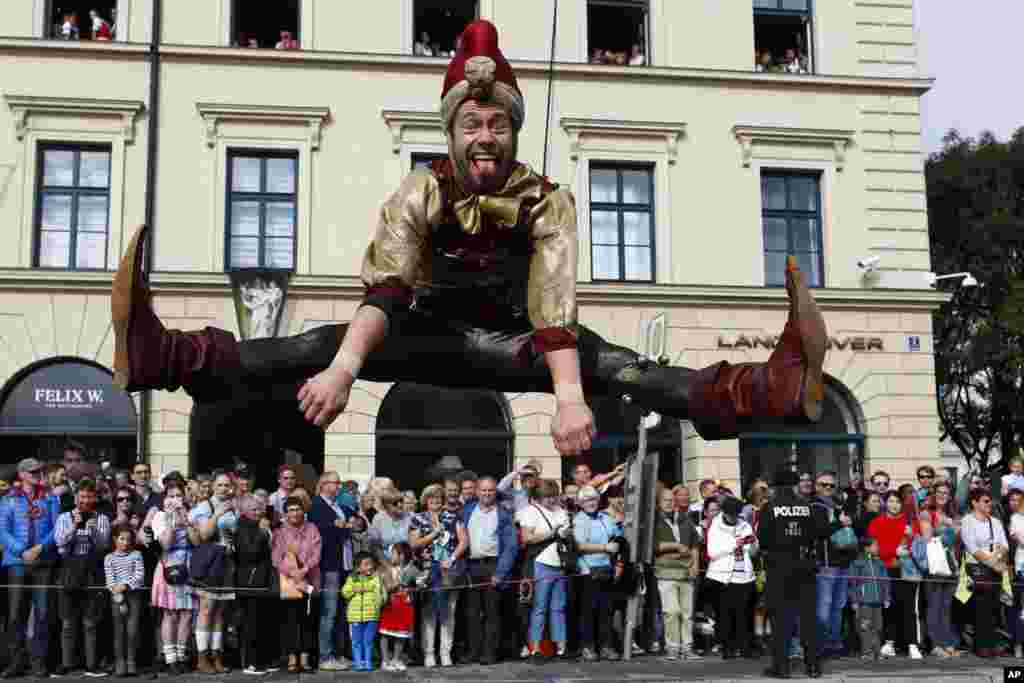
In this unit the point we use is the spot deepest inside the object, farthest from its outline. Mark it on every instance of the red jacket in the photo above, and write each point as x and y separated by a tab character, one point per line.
889	532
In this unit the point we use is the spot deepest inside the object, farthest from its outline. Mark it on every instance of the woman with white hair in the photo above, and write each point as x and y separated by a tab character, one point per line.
594	531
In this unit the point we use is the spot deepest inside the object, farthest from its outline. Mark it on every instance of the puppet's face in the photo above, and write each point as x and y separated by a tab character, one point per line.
482	143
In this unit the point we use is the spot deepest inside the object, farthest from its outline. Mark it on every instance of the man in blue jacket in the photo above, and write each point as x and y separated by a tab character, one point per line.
493	546
331	521
28	517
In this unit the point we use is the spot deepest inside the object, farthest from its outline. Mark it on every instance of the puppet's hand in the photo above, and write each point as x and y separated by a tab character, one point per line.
324	396
573	428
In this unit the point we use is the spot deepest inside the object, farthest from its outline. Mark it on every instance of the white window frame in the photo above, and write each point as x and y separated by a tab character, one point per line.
407	29
654	14
227	19
71	120
624	141
42	11
293	129
414	131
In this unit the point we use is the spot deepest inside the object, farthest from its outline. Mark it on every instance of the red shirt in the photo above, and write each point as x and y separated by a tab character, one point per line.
889	532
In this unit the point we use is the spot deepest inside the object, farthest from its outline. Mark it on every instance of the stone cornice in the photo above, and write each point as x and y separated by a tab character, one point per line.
577	127
438	65
399	120
217	284
748	135
23	107
214	113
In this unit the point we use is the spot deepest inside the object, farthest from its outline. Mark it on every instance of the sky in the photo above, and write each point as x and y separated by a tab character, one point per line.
966	48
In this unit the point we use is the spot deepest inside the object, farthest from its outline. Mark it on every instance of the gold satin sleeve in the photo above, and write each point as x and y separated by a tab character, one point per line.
395	257
551	289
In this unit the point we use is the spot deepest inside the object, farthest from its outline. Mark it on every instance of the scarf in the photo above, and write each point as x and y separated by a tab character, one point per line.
38	493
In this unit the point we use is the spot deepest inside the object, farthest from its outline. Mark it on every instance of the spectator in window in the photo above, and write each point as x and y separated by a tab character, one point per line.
287	42
440	532
767	63
422	47
676	566
493	547
82	537
332	523
100	26
594	531
28	518
296	554
69	29
791	63
637	56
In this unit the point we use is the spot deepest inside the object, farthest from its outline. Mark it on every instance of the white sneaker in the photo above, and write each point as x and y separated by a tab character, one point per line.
253	671
888	650
386	666
914	652
525	652
429	661
446	660
398	665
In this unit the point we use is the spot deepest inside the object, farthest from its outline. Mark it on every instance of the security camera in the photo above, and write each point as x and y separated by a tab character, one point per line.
869	263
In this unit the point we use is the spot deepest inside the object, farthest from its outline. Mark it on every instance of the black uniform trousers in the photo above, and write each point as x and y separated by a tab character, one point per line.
792	593
483	611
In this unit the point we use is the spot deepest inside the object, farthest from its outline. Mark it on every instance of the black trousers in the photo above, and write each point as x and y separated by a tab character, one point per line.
126	626
595	617
733	614
21	598
439	350
791	595
258	612
483	611
298	627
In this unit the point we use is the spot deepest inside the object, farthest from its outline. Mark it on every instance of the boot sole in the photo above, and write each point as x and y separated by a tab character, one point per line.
121	296
813	342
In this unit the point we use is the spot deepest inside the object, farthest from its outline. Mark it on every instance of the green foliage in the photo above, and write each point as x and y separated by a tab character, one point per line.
976	224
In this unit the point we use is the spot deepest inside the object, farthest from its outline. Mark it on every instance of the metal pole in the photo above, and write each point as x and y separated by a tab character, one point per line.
633	535
551	75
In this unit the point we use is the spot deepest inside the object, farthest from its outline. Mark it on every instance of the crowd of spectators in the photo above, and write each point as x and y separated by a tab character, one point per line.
67	28
286	41
792	61
636	56
107	572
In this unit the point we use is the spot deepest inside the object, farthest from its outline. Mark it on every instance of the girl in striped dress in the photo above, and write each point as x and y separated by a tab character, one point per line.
172	528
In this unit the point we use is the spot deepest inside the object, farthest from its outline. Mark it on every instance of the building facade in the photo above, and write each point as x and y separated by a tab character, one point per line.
696	162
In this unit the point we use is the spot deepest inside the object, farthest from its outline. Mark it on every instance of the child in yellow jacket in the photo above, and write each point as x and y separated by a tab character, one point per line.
365	595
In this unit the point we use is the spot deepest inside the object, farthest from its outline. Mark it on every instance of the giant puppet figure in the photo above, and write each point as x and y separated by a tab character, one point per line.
471	282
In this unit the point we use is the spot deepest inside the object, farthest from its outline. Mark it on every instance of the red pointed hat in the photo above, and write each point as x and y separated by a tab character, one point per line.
479	71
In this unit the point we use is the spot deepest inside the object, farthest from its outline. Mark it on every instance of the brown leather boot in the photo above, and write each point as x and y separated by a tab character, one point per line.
790	385
217	660
204	664
149	356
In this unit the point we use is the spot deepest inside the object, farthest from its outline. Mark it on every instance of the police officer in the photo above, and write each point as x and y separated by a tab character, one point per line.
788	532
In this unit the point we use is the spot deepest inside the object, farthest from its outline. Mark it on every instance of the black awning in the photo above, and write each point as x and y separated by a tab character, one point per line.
66	396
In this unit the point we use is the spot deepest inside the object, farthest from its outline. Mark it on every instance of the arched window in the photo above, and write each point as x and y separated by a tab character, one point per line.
425	433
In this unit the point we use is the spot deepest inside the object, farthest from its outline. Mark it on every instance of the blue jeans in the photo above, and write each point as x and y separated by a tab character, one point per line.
329	600
363	635
549	591
832	585
22	579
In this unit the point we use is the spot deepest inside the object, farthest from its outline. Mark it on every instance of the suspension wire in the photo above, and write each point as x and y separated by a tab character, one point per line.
551	76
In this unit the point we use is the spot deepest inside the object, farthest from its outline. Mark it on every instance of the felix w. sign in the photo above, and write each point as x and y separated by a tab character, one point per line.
68	397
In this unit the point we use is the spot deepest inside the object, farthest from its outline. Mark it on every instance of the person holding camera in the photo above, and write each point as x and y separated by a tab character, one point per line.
83	537
544	523
171	592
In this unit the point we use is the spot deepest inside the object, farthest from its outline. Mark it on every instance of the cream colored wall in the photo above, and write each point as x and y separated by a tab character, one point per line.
20	19
704	35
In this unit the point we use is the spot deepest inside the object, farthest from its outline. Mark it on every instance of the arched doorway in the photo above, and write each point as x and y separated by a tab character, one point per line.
263	429
618	438
67	398
835	442
424	433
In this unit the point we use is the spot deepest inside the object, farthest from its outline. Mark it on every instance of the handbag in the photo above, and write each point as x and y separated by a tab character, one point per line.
289	589
568	553
601	573
983	578
176	574
844	538
938	560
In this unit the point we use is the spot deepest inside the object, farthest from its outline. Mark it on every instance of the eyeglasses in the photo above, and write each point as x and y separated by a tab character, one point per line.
879	482
925	476
827	485
123	500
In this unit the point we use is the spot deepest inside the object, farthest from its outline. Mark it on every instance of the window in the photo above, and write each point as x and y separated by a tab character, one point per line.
424	160
791	217
782	36
622	222
437	25
617	32
73	207
265	24
82	20
261	209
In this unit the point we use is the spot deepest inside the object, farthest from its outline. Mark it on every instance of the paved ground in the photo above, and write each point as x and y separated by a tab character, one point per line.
642	669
